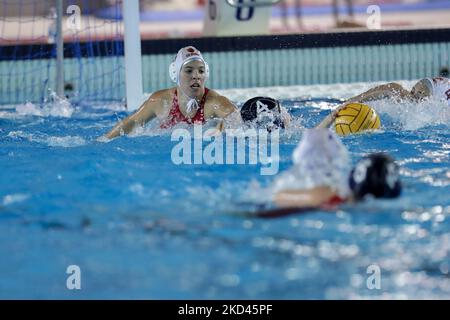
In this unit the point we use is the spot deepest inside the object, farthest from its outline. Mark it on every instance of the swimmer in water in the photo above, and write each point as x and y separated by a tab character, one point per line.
437	88
321	178
189	102
265	112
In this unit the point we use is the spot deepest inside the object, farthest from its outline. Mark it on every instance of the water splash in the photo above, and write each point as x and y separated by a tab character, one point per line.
51	141
14	198
56	107
413	116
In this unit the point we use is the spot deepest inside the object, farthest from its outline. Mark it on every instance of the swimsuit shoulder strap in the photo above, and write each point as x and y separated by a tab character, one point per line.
202	102
175	105
200	115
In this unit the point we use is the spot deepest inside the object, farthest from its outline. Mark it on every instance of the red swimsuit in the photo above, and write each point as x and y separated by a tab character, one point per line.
175	115
332	203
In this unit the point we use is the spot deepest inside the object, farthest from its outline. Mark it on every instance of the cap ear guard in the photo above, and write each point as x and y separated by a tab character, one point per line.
206	69
173	72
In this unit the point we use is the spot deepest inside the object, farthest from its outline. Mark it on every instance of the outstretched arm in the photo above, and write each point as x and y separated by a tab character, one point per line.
390	90
307	198
144	114
223	107
328	120
225	111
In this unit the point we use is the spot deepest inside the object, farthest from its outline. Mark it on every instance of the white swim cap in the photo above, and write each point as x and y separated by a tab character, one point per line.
321	143
428	82
184	56
320	159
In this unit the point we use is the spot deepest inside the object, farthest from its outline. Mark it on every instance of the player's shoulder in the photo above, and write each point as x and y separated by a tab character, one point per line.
164	93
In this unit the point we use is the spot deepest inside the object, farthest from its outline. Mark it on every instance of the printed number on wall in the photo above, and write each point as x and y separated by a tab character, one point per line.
245	14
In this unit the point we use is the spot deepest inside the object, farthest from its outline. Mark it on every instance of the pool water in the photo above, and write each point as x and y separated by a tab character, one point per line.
140	227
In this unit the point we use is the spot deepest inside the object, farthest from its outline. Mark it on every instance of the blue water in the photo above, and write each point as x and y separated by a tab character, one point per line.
140	227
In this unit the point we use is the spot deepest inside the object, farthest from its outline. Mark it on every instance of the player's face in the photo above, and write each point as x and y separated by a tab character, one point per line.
192	78
420	90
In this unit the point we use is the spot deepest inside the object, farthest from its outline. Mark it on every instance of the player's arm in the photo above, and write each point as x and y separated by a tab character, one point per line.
225	111
390	90
307	198
329	120
144	114
222	107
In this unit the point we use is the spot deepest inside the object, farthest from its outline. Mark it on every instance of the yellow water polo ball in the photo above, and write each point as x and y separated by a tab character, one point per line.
355	118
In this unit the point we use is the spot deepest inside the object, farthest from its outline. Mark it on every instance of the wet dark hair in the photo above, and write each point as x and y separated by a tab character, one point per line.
258	105
377	175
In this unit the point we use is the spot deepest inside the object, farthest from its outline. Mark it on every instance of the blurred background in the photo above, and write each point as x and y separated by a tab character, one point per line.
92	33
186	18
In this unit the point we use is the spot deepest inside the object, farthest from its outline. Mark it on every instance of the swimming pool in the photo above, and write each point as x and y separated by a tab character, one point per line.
139	226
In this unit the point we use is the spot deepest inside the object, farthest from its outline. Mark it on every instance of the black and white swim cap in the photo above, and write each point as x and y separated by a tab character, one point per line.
377	175
265	112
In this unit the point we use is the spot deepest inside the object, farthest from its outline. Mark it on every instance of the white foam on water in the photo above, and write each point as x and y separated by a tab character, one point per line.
67	142
137	189
112	106
29	109
51	141
14	198
56	107
413	116
20	134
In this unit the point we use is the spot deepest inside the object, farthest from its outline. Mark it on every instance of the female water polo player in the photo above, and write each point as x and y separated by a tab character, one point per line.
321	176
437	88
375	175
189	102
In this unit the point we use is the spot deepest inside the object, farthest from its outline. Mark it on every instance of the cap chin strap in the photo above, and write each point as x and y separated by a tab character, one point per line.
192	103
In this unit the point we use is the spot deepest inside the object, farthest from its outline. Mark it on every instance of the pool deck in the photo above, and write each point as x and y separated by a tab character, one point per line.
181	19
310	24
